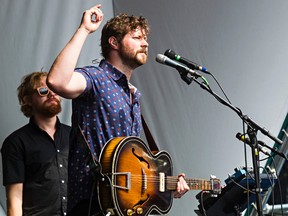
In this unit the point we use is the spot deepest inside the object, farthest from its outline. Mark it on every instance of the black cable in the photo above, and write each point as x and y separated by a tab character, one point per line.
239	185
202	203
246	166
272	185
219	86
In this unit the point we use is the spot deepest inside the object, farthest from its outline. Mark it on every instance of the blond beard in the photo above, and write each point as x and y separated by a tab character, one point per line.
52	110
131	58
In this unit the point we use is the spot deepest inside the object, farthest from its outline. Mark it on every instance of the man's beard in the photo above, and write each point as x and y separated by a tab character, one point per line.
50	110
132	58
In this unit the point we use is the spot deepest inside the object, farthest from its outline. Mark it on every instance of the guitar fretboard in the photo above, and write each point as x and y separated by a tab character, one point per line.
194	184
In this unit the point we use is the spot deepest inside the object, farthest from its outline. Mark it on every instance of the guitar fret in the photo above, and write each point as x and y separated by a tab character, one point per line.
199	184
194	184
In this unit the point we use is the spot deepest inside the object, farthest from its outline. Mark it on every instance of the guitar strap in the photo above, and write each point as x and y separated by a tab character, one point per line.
151	142
95	166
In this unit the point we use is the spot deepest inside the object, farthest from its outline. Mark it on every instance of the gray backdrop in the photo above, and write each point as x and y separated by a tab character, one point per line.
243	43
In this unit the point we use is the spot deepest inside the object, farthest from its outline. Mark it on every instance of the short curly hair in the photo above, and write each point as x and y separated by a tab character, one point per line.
118	27
26	89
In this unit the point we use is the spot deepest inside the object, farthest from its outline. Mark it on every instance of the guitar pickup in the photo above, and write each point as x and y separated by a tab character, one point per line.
162	182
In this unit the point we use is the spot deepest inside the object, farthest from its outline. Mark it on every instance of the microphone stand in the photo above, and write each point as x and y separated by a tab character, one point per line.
255	160
253	127
281	154
261	143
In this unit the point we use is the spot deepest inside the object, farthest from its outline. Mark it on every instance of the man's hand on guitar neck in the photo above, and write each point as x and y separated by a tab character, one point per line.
182	186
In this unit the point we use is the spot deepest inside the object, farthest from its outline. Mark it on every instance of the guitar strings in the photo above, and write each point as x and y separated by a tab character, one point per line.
172	180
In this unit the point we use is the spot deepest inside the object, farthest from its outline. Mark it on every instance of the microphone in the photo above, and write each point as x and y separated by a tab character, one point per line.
247	140
167	61
171	54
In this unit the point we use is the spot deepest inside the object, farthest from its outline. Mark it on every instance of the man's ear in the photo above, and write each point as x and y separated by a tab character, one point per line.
113	42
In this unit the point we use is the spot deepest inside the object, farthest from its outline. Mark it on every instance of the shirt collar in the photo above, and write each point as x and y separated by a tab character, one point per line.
111	70
117	74
32	122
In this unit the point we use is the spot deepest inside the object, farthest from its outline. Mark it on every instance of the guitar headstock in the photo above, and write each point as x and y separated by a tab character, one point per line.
216	185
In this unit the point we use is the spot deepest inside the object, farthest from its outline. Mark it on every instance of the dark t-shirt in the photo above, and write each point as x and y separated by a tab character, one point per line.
30	156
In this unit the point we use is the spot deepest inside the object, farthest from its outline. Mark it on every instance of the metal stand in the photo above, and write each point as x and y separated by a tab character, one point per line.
252	131
255	159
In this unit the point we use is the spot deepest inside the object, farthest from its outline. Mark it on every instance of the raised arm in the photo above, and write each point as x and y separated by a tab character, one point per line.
61	78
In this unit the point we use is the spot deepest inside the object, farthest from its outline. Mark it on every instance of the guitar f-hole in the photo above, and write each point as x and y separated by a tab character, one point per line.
140	158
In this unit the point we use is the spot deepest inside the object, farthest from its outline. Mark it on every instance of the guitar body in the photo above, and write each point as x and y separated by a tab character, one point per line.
131	183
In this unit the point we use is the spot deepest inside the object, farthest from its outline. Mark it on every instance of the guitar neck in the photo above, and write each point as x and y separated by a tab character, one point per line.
194	184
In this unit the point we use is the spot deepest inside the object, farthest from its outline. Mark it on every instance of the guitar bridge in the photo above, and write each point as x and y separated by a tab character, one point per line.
128	180
144	181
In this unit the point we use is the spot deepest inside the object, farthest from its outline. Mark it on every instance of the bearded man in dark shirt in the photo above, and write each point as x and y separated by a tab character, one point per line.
35	157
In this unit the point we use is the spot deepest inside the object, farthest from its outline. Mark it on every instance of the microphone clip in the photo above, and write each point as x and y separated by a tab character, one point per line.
245	139
184	75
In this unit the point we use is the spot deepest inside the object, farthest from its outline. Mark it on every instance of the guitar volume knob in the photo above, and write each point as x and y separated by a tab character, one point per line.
139	211
130	212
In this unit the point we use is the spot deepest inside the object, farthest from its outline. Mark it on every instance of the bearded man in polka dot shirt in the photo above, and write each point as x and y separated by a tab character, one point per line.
105	104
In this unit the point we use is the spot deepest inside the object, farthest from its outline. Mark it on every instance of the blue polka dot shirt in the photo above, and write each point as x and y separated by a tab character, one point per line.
109	107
